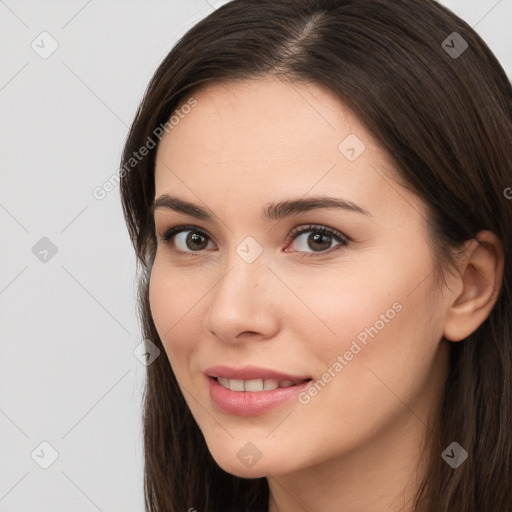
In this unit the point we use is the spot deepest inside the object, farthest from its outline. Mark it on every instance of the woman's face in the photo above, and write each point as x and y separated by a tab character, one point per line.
354	308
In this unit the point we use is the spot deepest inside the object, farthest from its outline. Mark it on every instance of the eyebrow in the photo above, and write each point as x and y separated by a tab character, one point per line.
272	211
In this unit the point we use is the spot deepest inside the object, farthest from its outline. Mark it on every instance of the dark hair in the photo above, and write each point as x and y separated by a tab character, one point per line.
446	121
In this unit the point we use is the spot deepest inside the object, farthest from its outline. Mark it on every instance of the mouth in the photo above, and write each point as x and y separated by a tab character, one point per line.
252	374
257	385
252	391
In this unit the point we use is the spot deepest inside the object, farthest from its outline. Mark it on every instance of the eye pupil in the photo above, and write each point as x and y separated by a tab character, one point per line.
319	238
197	239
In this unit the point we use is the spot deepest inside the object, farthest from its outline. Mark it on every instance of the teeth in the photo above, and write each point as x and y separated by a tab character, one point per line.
255	384
270	384
223	382
236	385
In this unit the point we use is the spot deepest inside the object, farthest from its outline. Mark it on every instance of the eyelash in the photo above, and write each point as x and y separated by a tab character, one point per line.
295	233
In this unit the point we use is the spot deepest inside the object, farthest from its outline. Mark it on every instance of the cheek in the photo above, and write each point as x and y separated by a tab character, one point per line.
387	332
344	305
381	315
175	308
374	367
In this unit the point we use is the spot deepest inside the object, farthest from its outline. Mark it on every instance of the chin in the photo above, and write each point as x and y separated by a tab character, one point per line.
240	472
244	460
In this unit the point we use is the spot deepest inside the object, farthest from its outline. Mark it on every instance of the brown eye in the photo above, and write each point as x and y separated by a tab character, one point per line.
196	241
319	239
186	239
189	240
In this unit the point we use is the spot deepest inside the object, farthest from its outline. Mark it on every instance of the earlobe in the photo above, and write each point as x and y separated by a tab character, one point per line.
481	274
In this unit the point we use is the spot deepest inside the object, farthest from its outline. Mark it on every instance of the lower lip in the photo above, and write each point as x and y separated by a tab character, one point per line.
251	403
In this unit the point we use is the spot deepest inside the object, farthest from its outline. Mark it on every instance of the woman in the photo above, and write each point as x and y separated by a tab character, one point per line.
317	195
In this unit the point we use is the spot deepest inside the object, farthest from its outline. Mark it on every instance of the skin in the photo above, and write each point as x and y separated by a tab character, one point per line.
358	443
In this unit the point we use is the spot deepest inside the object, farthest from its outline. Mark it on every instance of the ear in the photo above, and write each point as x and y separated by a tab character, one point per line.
480	277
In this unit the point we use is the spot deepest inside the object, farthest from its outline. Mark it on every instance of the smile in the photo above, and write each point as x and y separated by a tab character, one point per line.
249	397
255	385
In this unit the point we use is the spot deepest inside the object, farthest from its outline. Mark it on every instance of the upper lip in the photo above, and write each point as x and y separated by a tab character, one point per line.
251	373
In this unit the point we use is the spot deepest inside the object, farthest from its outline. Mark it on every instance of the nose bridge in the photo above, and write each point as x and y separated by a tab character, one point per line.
241	283
246	268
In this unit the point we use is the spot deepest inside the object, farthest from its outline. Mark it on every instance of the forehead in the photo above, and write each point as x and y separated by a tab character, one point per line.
262	139
269	117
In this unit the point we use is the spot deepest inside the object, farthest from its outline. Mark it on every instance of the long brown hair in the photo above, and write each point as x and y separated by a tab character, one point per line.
443	112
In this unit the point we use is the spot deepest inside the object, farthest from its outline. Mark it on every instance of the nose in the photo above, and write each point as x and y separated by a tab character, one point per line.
244	303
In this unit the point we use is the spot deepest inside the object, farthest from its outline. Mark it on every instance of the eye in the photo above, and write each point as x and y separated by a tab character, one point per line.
188	240
319	240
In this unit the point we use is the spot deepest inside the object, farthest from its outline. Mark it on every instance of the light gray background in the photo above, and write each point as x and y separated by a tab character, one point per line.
69	327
